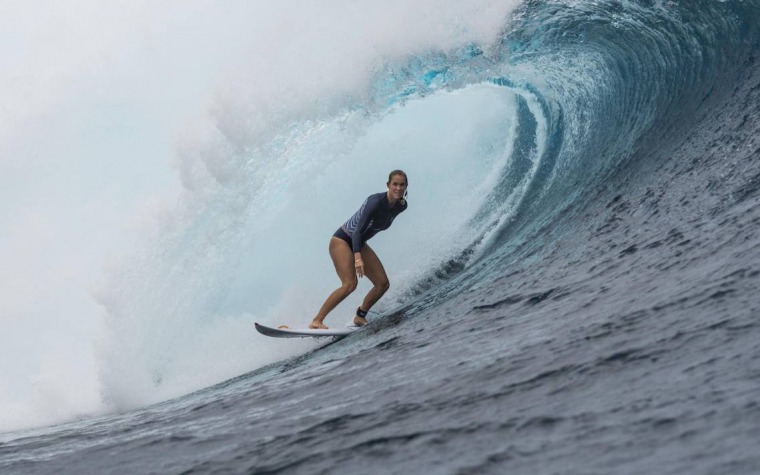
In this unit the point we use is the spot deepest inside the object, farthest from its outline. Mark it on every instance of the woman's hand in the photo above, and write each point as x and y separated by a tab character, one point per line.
359	264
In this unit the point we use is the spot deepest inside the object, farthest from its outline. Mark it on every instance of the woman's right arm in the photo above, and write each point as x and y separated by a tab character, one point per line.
356	239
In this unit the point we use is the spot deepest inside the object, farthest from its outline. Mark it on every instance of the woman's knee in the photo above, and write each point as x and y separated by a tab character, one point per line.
383	285
348	286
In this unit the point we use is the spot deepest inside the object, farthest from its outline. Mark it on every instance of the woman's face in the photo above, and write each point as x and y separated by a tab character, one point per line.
397	187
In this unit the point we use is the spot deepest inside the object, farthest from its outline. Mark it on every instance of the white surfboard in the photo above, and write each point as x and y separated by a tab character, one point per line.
285	332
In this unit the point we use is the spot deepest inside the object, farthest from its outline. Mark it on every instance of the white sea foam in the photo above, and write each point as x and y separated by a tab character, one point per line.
258	111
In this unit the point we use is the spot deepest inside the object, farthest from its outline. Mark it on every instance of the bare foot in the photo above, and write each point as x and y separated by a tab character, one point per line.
359	321
315	325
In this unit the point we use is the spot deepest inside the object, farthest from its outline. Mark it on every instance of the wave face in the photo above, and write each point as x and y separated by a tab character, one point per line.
573	285
611	80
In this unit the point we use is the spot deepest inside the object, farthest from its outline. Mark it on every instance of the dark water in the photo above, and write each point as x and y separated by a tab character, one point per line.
611	327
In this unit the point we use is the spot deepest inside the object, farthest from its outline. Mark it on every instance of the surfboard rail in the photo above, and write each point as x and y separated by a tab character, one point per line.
285	332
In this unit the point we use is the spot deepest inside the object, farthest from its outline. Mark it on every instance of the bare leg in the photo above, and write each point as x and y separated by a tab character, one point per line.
375	272
343	259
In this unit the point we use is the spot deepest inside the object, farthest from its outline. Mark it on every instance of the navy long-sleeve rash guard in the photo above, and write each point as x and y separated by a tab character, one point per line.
376	214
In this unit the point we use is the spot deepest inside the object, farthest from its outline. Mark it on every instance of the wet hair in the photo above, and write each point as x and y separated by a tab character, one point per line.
397	172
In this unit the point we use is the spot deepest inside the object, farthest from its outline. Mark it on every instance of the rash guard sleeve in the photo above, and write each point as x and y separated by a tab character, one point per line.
364	217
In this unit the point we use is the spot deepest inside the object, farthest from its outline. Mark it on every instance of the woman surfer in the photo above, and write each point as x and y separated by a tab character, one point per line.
352	256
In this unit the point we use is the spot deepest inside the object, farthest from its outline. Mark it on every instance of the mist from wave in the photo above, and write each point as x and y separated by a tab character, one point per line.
250	107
